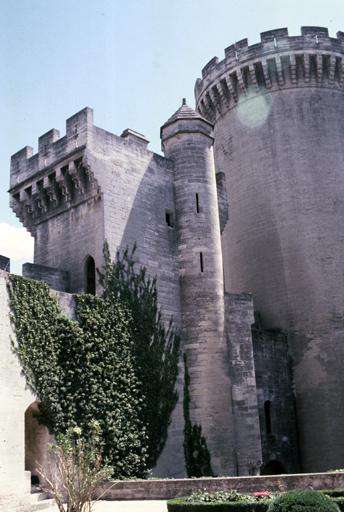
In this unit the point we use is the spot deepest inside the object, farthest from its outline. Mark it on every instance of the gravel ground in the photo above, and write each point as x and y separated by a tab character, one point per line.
130	506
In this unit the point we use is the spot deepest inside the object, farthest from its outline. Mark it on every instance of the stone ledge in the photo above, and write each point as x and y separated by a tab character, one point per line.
166	489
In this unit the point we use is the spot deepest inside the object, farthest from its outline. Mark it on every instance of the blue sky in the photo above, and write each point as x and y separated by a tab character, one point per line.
132	61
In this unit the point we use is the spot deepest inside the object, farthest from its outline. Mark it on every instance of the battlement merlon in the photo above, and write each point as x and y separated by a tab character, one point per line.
278	60
63	173
241	51
52	148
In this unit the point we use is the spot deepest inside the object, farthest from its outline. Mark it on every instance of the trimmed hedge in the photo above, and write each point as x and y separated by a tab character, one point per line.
333	493
303	501
291	501
181	505
339	501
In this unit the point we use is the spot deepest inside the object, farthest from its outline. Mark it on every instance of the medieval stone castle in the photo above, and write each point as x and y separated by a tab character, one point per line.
242	222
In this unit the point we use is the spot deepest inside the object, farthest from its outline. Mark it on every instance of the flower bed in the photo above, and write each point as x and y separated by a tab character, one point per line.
233	501
222	501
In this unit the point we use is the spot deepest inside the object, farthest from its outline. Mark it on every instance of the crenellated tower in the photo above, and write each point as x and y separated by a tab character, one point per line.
278	114
54	193
90	186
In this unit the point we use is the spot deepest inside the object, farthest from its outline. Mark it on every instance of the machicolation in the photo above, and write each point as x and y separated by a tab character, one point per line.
312	59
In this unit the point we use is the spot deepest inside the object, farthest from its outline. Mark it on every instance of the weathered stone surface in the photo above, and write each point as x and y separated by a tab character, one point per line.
278	109
239	319
15	398
276	400
56	278
187	141
167	489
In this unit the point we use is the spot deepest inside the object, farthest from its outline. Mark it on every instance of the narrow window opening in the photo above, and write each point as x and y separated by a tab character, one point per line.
78	162
90	276
169	219
267	412
51	177
64	170
201	261
197	203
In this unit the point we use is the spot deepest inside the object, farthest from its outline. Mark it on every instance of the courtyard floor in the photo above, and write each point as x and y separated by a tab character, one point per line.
131	506
127	506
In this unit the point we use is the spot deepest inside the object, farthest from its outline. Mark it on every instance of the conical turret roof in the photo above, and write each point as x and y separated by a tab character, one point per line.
185	112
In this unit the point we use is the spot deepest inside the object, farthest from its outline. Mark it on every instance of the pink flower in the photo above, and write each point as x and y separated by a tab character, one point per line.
262	494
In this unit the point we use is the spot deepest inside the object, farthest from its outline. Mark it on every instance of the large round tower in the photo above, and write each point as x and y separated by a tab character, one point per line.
187	139
278	111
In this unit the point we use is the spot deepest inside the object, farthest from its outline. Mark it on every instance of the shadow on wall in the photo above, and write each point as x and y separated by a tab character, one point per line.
37	439
273	467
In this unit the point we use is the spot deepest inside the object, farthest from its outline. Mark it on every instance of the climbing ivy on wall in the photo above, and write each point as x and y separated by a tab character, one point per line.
156	348
93	368
197	455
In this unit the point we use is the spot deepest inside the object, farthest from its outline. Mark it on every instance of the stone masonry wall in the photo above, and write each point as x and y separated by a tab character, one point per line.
167	489
138	194
15	397
23	440
65	241
275	389
278	109
55	278
187	140
239	319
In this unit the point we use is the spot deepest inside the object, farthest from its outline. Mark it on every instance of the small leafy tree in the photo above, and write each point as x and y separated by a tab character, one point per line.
155	347
78	471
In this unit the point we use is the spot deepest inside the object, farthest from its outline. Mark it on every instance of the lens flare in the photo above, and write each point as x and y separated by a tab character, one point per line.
253	110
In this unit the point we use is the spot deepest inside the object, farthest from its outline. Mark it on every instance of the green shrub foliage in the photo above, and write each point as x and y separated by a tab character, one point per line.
204	496
245	504
334	493
303	501
226	501
115	364
156	348
196	453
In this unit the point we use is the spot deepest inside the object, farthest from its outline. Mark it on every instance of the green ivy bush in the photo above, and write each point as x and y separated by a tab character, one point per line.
82	370
303	501
155	347
115	364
